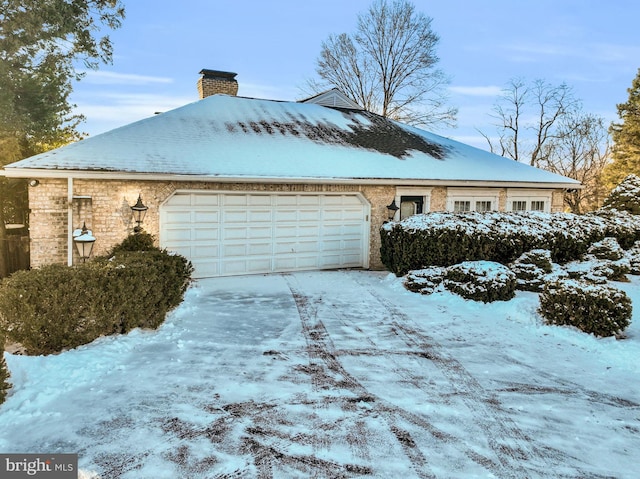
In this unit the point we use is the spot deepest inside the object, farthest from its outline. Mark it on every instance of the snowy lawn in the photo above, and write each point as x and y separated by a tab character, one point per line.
337	374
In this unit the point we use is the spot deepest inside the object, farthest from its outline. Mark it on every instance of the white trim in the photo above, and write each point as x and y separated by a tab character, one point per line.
70	221
117	175
424	192
529	196
473	195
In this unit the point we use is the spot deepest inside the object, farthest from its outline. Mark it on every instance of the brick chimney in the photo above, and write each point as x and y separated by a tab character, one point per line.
215	81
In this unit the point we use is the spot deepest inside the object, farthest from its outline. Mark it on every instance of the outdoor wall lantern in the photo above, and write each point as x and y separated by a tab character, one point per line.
84	239
139	211
391	210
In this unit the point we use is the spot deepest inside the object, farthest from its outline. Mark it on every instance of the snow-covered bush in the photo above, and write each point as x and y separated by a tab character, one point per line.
605	260
608	248
484	281
58	307
426	280
625	196
633	255
445	239
4	374
534	268
598	271
621	225
601	310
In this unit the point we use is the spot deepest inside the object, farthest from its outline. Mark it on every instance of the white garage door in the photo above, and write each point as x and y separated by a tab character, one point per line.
227	234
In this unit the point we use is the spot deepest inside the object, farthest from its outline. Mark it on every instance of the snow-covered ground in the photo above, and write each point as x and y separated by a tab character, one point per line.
337	374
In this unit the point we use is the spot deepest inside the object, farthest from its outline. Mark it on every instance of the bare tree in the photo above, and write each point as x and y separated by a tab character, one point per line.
580	149
528	116
508	110
389	65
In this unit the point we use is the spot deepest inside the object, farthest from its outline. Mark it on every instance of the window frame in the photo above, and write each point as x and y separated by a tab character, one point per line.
474	196
530	197
412	192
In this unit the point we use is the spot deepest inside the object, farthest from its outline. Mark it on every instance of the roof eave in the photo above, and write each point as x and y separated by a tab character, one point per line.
120	175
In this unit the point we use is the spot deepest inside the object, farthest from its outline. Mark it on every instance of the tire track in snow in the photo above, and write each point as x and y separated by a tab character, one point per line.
486	407
321	350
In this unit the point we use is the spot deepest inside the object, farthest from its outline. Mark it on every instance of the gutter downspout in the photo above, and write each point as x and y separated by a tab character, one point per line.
70	221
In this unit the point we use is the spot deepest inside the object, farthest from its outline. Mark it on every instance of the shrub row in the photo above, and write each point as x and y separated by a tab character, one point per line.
59	307
445	239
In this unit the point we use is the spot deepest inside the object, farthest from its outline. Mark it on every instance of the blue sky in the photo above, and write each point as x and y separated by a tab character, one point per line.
592	45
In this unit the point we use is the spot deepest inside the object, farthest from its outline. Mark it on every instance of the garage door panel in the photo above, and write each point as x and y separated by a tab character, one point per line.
205	234
235	216
178	234
235	233
258	216
259	232
205	250
201	200
231	234
286	215
206	217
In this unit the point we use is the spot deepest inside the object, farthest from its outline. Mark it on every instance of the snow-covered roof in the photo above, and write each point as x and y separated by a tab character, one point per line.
234	138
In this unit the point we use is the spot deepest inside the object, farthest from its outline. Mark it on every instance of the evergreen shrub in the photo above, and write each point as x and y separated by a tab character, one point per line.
425	281
58	307
136	242
633	255
532	270
445	239
601	310
481	281
4	374
625	196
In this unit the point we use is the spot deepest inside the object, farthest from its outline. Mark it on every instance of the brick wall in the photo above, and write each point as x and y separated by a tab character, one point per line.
48	222
105	206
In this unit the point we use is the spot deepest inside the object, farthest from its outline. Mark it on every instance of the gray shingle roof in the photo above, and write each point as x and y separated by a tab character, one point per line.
242	138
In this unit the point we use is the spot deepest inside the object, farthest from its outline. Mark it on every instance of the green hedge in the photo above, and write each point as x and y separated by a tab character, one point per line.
58	307
596	309
4	374
445	239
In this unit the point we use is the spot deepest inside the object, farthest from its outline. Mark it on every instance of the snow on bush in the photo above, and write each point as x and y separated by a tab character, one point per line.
608	248
534	268
484	281
605	260
625	196
425	281
601	310
633	255
445	239
4	376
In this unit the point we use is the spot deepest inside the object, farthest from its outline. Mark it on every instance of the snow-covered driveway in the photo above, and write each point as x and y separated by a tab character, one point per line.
336	374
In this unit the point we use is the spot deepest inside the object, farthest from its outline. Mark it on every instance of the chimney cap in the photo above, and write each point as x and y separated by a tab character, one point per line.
206	73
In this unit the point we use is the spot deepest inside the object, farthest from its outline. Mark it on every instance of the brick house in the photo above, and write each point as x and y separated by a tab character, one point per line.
242	185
